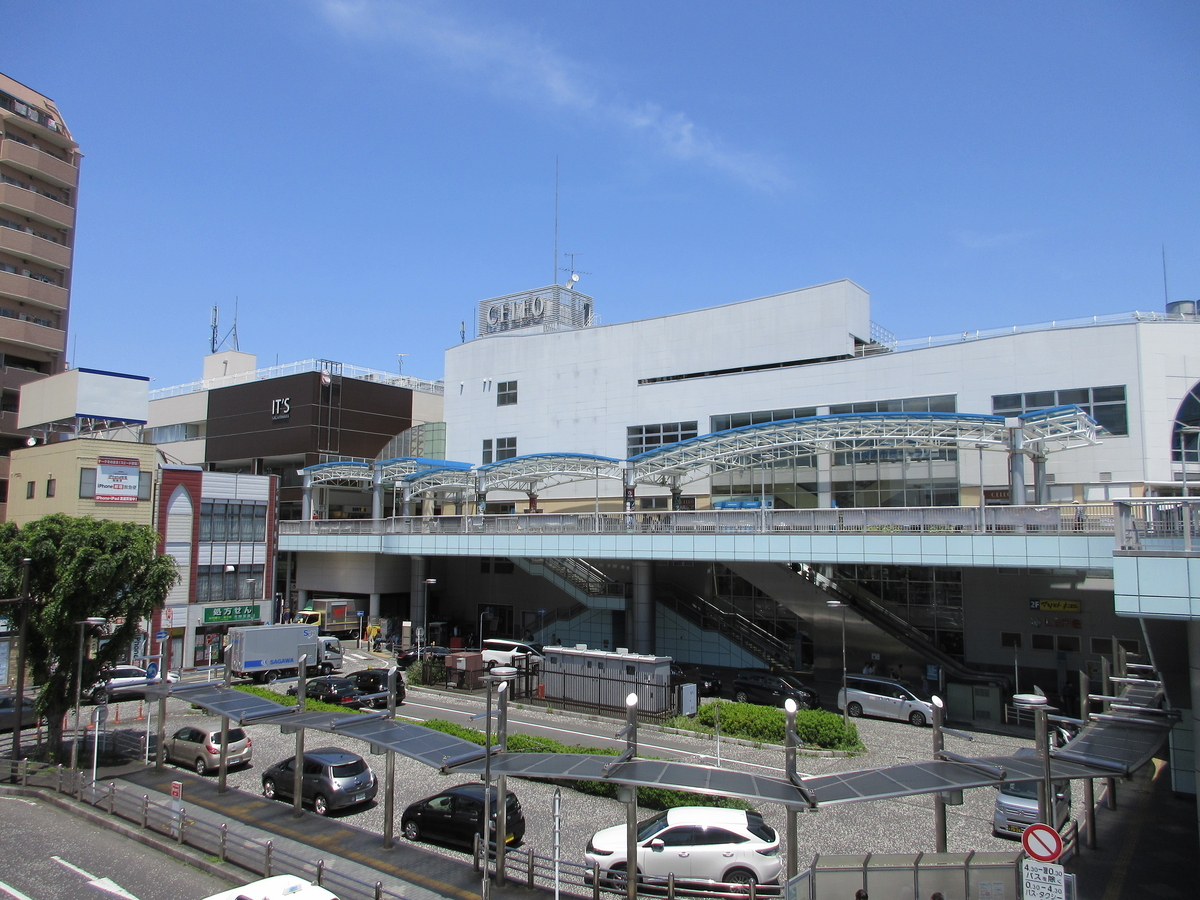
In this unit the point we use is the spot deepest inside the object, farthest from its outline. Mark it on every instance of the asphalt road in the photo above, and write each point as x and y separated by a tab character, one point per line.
50	854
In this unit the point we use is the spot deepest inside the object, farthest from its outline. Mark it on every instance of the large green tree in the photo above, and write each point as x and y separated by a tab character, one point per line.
81	567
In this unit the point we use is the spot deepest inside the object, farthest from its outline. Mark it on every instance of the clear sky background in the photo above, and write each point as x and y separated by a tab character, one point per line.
359	173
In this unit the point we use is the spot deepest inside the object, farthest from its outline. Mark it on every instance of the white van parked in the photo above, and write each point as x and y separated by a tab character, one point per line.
505	652
866	695
1017	805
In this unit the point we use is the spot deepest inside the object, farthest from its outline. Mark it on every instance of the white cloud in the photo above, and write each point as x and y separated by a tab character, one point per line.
524	67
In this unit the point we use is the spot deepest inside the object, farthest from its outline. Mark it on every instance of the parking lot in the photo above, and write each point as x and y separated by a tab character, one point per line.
895	826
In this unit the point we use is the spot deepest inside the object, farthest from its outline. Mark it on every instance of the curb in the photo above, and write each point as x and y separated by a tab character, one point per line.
230	872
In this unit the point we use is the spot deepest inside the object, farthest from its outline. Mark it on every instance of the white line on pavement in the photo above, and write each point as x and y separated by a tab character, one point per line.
13	892
107	885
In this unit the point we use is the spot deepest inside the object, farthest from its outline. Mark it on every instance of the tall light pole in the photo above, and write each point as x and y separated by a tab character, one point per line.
90	621
838	604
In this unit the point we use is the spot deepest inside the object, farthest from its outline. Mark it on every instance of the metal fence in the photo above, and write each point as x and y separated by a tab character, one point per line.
1097	518
1158	525
605	694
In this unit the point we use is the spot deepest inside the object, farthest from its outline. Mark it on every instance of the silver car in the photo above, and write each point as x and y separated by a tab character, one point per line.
202	749
869	696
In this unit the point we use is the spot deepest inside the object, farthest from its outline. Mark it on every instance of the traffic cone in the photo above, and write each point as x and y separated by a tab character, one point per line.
117	717
141	712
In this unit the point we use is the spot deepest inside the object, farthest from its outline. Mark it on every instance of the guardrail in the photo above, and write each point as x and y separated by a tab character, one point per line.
1074	519
1157	526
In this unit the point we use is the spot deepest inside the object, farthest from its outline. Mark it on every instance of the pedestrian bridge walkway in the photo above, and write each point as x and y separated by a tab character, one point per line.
1074	536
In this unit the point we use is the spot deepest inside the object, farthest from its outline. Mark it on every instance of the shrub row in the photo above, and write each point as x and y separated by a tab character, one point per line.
814	727
310	705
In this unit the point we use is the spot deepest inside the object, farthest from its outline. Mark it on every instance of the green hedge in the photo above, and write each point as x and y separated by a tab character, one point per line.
310	705
650	798
814	727
415	674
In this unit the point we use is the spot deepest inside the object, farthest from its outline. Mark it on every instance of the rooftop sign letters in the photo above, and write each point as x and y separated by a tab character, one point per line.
117	479
519	313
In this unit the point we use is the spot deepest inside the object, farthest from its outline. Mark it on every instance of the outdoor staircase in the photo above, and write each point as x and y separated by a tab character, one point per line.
579	580
736	628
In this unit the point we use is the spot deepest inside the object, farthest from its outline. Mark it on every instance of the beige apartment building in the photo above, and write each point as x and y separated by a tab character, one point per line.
39	173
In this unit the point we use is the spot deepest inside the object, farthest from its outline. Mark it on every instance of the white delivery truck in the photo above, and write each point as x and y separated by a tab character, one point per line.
268	652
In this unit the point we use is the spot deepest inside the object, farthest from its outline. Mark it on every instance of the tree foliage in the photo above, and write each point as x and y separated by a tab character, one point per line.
81	567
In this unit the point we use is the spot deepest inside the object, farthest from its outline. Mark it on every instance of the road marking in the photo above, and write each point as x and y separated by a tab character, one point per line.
107	885
20	800
13	892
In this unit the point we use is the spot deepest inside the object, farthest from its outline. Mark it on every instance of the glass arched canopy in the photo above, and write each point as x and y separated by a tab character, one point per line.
1185	432
1043	432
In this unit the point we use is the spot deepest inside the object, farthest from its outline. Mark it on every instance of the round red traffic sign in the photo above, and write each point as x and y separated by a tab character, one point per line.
1043	843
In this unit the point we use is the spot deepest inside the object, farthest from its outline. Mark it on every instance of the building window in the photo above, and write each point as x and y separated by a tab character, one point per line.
51	486
1104	404
233	520
760	417
487	452
640	438
1068	643
1010	639
166	434
940	403
214	584
506	393
30	489
1043	642
506	448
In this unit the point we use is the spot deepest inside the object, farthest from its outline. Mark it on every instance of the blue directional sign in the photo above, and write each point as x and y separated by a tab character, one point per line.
160	635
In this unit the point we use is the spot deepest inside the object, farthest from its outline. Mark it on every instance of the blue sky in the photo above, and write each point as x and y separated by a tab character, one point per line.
359	173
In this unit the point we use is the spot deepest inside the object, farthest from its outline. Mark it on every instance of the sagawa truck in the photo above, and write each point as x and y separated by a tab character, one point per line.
268	652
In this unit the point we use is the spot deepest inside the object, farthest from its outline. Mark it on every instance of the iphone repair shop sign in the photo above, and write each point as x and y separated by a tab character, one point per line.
117	479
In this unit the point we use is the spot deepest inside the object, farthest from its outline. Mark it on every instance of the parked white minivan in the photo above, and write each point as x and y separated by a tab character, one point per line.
505	652
866	695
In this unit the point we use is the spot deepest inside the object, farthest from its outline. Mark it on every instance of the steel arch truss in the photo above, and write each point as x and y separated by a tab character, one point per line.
539	471
341	474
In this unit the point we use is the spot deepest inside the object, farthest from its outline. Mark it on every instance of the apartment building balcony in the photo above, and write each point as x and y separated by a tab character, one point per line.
30	203
22	287
57	135
29	334
14	378
39	164
30	246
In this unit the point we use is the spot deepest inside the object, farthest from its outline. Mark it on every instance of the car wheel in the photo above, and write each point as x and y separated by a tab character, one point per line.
326	669
201	766
741	878
740	696
917	718
270	676
617	877
99	696
412	830
854	710
320	805
269	788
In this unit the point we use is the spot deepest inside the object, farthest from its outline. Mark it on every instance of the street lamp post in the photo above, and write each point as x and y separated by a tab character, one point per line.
838	604
92	621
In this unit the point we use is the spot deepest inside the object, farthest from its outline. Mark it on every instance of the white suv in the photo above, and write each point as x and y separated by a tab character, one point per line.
867	695
696	843
503	652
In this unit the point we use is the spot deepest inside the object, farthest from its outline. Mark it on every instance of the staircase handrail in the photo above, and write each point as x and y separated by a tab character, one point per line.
730	623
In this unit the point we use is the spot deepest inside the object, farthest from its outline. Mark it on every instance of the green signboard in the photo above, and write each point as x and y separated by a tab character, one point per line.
231	613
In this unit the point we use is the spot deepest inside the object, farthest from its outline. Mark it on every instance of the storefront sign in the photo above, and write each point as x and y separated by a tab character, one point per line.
117	479
1073	606
231	613
281	409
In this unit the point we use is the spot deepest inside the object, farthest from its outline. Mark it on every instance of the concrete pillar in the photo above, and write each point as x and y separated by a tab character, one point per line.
417	610
406	501
643	606
676	497
376	493
1193	627
306	498
1016	466
373	608
1040	490
302	596
825	480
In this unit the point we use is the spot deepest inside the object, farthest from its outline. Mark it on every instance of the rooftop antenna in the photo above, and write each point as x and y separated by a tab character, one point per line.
233	345
554	268
400	362
215	342
462	332
1166	297
214	339
575	273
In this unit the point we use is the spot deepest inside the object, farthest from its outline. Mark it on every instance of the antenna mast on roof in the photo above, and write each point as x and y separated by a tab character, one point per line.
574	273
554	268
215	342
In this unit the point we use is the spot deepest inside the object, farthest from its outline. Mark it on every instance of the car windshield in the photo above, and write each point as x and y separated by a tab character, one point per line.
651	827
1027	790
792	681
350	769
334	646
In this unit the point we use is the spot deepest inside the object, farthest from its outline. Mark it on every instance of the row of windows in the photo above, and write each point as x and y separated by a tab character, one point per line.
640	438
1104	404
233	520
760	417
165	434
946	403
1067	643
506	448
215	585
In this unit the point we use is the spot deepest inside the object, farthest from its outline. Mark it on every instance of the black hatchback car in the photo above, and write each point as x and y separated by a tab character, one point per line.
773	689
456	816
374	681
332	689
